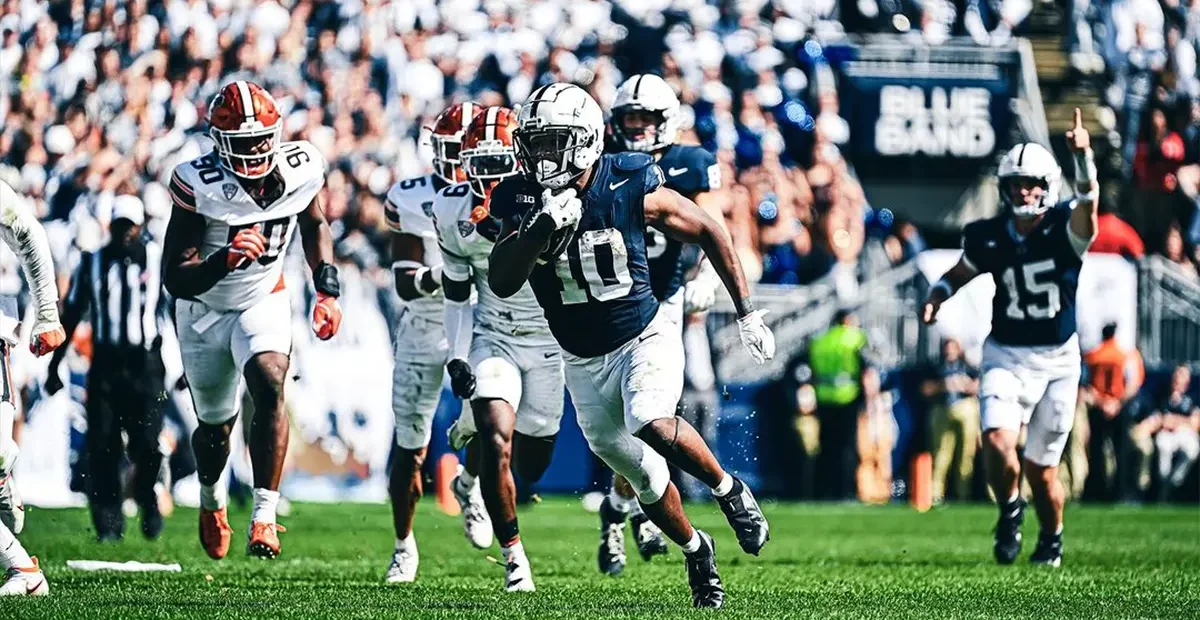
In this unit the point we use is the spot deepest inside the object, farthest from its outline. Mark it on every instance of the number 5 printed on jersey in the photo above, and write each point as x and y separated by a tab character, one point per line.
604	261
1035	298
276	232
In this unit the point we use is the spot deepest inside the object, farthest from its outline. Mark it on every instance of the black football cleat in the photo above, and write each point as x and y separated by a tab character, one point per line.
1049	551
650	540
1008	532
707	591
611	554
745	517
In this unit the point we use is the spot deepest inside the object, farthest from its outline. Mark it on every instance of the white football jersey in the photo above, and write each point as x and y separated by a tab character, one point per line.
465	252
409	210
204	186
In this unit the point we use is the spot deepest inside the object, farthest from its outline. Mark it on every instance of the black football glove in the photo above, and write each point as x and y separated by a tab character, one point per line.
462	380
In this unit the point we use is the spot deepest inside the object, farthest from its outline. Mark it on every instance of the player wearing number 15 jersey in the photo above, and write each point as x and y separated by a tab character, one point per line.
1031	360
585	258
235	212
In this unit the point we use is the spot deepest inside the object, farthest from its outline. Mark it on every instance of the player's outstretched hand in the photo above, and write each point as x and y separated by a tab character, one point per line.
248	245
1078	138
756	336
327	316
462	380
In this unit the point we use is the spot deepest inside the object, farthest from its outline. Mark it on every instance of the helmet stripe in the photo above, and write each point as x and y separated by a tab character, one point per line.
1021	155
489	132
468	111
637	87
247	100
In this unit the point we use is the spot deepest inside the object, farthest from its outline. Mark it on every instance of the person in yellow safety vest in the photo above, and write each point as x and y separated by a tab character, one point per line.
838	366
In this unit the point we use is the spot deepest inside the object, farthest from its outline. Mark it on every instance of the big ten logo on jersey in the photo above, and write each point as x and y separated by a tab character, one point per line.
956	123
276	232
1032	291
604	261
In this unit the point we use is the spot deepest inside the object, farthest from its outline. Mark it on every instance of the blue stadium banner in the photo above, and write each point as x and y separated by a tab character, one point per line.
950	106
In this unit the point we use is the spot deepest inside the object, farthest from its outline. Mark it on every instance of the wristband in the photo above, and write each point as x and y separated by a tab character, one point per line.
325	280
1085	168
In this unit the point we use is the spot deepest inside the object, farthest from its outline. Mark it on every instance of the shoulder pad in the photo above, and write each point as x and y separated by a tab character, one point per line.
632	162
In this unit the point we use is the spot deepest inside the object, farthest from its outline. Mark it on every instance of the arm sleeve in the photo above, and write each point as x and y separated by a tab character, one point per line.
182	194
972	255
27	239
460	321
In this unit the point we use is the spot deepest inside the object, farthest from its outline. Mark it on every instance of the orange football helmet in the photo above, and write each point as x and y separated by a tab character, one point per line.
488	154
246	126
447	137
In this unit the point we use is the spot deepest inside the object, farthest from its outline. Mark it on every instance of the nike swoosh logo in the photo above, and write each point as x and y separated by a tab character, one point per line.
550	355
674	172
612	186
33	588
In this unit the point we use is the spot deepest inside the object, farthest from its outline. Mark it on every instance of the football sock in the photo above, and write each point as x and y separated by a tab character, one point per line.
635	509
12	554
693	545
724	487
466	479
621	504
406	544
516	548
507	533
1058	532
215	496
8	447
265	502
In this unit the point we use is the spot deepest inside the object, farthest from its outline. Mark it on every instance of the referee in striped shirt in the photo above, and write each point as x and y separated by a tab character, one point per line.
119	287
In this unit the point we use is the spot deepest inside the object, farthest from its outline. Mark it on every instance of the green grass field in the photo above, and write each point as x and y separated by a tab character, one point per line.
822	562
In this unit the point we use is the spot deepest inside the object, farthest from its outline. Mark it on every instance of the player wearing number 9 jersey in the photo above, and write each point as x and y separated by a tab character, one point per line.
235	212
585	258
1031	360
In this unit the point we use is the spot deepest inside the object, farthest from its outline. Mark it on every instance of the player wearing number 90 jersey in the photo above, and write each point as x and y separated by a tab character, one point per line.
1031	360
235	212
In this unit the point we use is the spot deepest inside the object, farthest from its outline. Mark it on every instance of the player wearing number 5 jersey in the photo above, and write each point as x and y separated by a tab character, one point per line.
234	214
576	232
1031	360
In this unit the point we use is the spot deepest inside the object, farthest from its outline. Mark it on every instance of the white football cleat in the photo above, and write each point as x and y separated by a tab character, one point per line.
404	566
476	523
26	582
12	509
517	575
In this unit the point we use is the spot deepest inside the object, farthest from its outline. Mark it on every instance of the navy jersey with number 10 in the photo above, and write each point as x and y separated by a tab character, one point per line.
1036	277
597	295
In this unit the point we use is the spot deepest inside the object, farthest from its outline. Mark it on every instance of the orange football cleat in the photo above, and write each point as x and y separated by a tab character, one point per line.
215	532
264	540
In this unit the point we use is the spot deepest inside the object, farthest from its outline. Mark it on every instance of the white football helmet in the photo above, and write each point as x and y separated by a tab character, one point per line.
559	135
1030	161
651	95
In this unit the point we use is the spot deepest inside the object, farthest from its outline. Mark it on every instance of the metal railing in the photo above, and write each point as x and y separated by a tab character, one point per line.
1168	314
887	308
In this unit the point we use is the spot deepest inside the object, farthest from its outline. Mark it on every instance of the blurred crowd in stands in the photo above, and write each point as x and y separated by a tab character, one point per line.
1141	55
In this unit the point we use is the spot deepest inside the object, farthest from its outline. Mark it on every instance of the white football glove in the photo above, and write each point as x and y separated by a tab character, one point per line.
700	293
756	336
564	209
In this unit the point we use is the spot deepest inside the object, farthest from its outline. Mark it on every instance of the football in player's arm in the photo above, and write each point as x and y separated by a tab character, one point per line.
1081	228
665	210
187	275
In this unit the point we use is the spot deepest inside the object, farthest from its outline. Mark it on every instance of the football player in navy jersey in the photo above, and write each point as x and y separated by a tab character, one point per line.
575	229
646	119
1031	360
